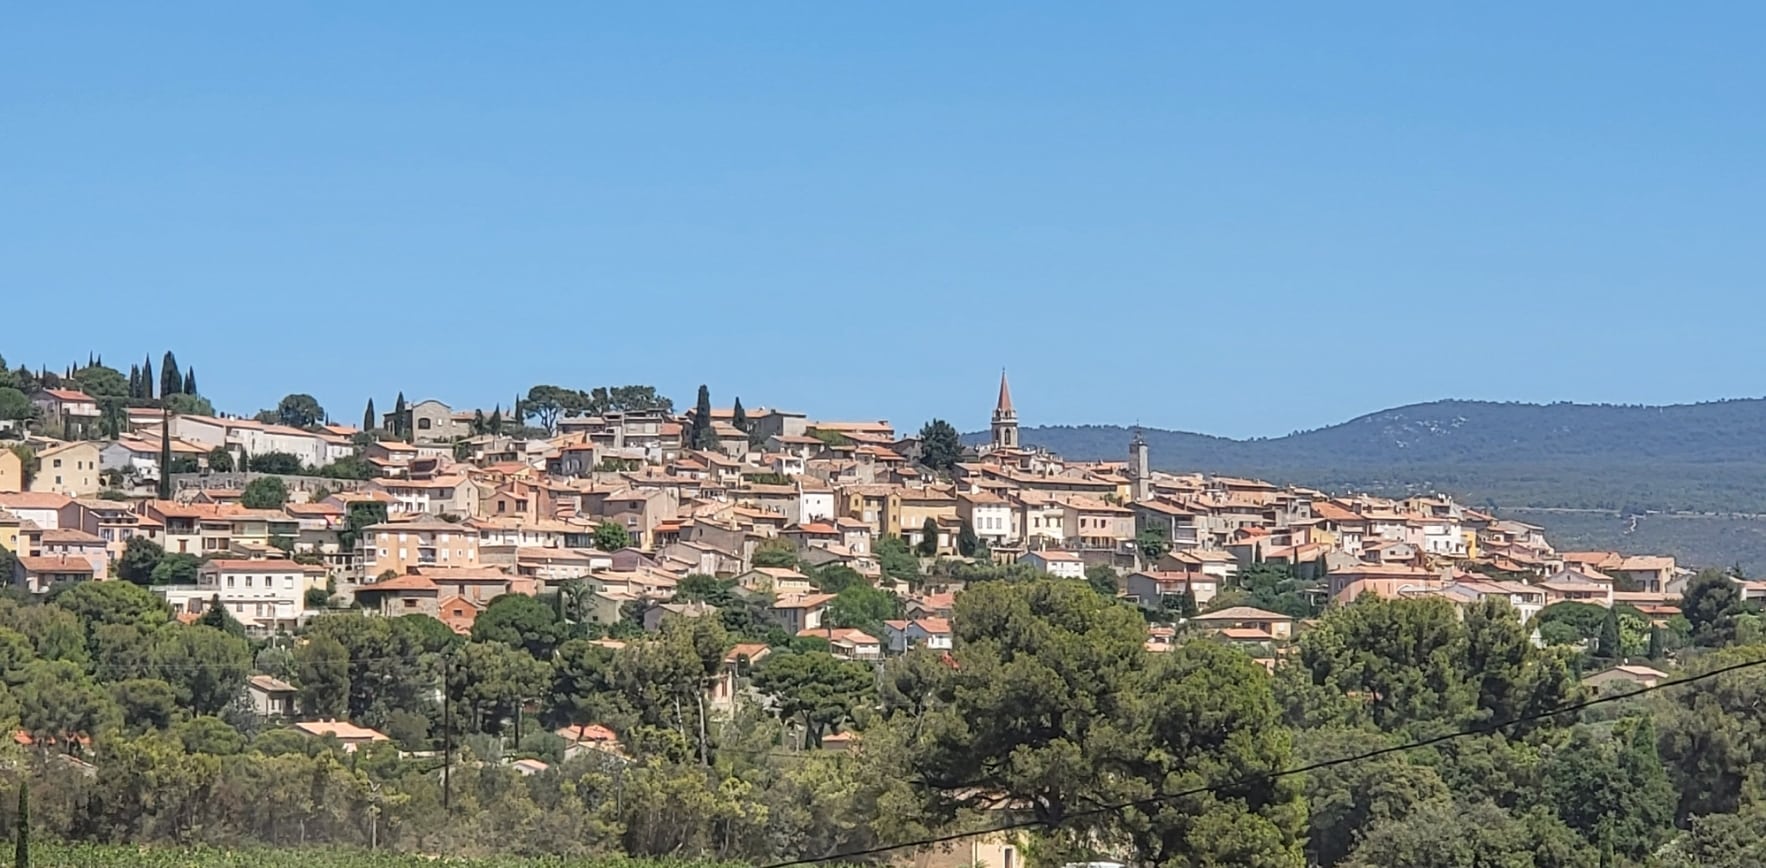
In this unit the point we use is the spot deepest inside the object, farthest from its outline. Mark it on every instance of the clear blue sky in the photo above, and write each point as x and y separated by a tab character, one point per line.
1202	216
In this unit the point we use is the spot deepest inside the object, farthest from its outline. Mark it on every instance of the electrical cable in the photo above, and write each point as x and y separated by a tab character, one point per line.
1481	729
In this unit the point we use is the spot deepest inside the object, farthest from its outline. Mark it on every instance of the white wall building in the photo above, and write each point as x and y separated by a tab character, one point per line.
264	595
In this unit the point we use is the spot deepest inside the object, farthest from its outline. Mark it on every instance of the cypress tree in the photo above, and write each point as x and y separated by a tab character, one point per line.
21	849
398	417
495	425
244	463
147	382
1607	645
368	422
739	417
190	381
1655	643
165	454
134	381
703	437
171	381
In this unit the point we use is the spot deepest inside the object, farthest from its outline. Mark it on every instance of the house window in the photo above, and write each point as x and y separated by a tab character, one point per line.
229	581
423	424
58	464
410	604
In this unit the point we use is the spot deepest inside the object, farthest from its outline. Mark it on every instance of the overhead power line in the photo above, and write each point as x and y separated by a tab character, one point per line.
1481	729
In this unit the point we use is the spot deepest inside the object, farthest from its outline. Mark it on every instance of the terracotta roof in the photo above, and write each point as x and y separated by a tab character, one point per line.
67	394
587	733
275	565
68	535
56	564
802	601
342	729
1243	613
750	650
34	500
398	583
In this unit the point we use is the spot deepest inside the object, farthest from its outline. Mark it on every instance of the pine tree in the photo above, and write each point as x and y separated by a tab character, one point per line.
190	381
739	417
148	384
165	454
703	437
368	421
398	418
171	381
21	849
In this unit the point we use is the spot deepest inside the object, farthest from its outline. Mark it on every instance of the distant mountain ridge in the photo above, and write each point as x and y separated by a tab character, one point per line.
1699	457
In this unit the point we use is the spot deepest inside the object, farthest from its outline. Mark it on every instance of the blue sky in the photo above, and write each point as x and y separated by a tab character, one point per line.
1228	218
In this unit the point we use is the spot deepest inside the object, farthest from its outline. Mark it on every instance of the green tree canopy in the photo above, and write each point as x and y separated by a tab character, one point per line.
265	492
814	688
611	537
940	445
520	621
299	411
140	556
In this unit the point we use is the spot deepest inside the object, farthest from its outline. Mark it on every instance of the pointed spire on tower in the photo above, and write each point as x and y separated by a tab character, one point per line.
1005	419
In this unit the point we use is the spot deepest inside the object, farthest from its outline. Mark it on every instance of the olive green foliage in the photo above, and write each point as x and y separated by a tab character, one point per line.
1049	703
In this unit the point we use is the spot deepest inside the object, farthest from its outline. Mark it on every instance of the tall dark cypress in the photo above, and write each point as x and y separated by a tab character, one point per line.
165	454
171	381
739	416
148	385
368	422
134	381
398	418
703	436
21	848
190	381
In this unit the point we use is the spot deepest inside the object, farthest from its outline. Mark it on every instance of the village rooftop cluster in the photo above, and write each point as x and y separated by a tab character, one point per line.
621	504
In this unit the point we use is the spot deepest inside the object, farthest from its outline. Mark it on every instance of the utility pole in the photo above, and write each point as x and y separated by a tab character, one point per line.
447	740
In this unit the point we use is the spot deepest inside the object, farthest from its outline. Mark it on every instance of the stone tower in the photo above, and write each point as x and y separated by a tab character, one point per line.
1005	419
1138	471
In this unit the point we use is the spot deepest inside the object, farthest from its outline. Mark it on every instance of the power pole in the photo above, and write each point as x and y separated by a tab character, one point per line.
447	741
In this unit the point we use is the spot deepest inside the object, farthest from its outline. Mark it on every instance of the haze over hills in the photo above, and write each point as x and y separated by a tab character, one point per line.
1692	457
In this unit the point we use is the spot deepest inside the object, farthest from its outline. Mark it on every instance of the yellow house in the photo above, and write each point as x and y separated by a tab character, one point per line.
9	533
1471	537
12	471
915	505
70	469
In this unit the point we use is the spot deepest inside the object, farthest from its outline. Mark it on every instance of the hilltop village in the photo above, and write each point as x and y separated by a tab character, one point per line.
594	623
442	513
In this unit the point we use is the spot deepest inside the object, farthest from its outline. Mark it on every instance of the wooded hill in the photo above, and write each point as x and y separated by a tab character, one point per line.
1698	457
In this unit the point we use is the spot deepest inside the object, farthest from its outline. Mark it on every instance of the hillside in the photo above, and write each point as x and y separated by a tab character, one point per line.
1696	457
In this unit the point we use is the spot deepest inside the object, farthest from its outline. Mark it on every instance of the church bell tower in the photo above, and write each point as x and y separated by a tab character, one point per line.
1005	419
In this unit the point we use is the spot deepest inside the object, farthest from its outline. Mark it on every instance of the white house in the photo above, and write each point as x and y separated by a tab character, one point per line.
1060	564
930	633
258	438
988	514
264	595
